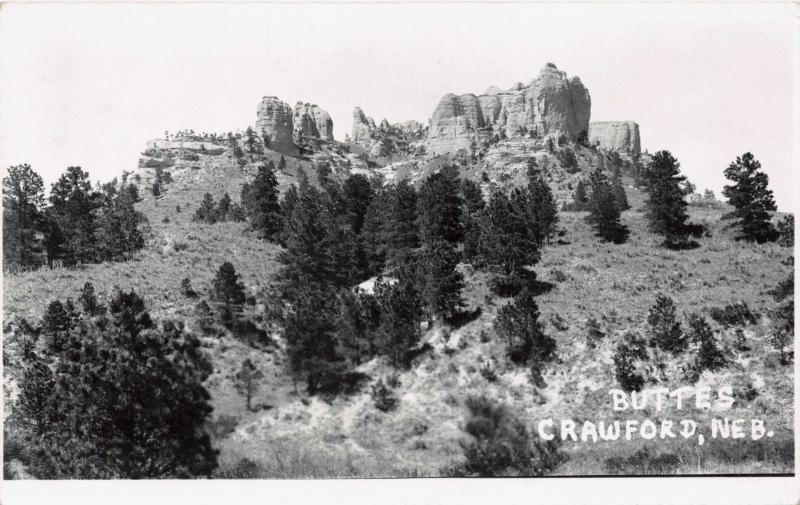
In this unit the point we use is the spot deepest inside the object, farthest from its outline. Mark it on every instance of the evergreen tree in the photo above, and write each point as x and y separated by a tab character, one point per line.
709	355
508	241
579	197
223	208
440	207
74	206
117	225
603	210
665	206
357	196
378	222
751	199
542	210
206	213
247	381
402	233
227	288
260	203
58	320
358	319
23	198
619	193
401	313
250	140
89	301
54	240
118	405
665	330
311	343
518	324
441	282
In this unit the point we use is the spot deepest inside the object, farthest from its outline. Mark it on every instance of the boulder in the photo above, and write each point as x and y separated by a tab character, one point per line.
621	136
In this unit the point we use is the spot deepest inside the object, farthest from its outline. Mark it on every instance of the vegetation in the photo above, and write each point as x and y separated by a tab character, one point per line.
665	206
751	199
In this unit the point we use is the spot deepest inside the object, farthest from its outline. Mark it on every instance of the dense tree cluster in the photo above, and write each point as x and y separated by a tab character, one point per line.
80	224
222	211
113	395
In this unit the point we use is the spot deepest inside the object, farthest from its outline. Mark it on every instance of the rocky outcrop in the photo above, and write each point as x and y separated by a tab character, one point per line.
551	105
274	118
621	136
311	122
386	139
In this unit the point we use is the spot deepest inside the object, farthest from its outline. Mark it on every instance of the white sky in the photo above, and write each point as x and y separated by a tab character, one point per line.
89	84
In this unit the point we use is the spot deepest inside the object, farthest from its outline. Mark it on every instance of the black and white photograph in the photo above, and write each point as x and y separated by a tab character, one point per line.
323	241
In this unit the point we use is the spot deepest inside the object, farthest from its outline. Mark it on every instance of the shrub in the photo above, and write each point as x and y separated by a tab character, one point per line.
488	372
737	314
186	288
383	397
665	330
786	231
594	333
630	358
499	444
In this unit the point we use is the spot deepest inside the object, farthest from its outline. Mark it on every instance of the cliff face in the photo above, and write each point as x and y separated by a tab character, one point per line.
274	118
551	105
312	122
622	136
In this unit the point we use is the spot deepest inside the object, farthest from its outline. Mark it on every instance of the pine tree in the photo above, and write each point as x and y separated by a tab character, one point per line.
261	204
440	207
376	230
579	197
35	403
402	233
619	193
604	213
117	224
508	242
441	281
357	323
665	206
247	381
665	330
400	316
23	198
357	195
543	211
709	355
89	302
126	409
227	288
250	140
751	199
223	208
206	213
518	324
74	206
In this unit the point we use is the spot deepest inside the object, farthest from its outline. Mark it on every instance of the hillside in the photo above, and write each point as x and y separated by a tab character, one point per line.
293	434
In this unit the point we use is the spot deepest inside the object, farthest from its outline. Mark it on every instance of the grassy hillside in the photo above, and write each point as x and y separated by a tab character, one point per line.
293	435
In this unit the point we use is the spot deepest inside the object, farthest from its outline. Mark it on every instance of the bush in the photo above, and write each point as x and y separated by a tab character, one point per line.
737	314
594	333
665	330
709	356
383	397
630	358
499	444
186	288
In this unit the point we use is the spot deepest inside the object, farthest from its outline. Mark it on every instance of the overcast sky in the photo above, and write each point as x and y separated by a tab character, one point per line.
89	84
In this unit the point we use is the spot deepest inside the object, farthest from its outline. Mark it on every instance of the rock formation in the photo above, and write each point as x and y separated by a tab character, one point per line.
550	106
274	118
622	136
385	139
312	122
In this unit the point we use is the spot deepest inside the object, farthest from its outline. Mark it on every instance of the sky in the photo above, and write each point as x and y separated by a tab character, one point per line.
88	84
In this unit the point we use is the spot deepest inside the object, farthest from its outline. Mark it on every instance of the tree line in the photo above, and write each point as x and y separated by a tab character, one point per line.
75	224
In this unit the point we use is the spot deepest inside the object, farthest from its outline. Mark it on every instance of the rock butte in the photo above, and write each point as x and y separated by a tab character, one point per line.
551	105
622	136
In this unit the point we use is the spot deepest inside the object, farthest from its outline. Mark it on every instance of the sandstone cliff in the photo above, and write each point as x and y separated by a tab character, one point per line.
551	105
622	136
312	122
274	118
